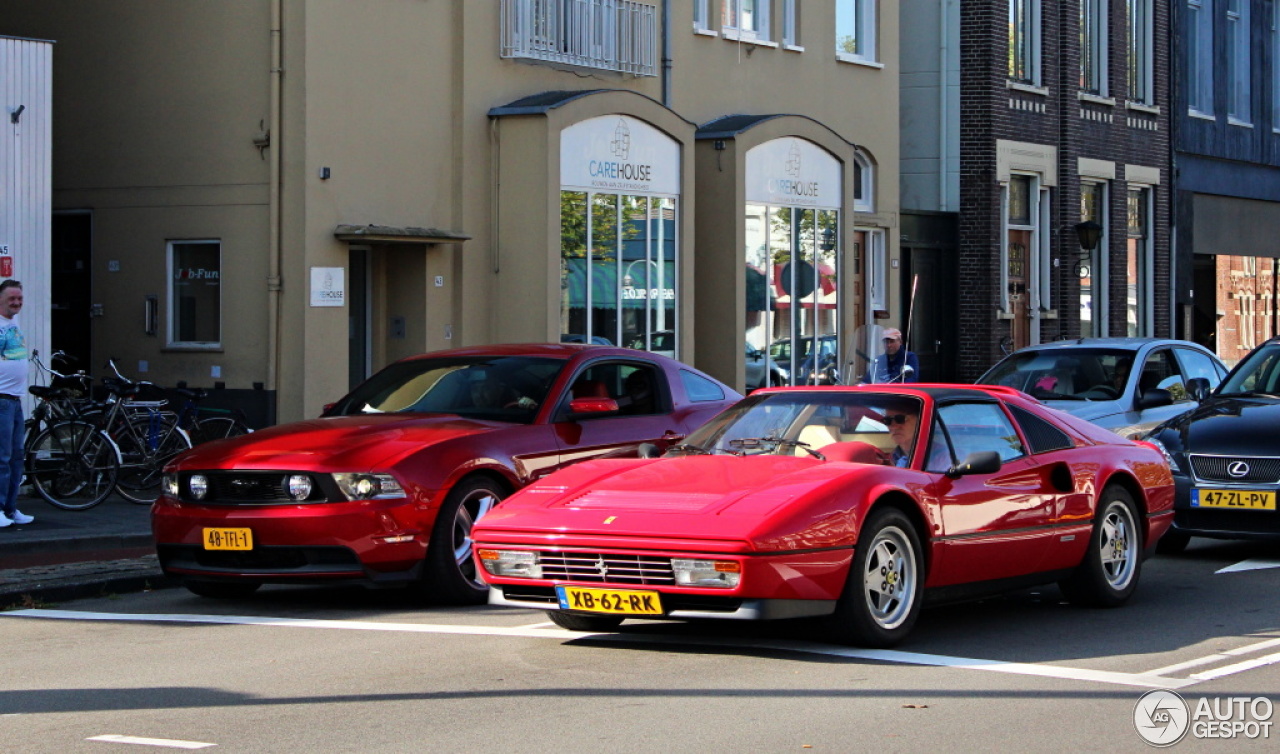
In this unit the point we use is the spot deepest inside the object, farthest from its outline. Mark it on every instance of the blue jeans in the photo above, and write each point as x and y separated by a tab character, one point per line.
12	455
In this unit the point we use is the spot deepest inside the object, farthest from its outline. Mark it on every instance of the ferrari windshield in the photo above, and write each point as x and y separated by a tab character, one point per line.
799	422
1258	373
501	388
1078	374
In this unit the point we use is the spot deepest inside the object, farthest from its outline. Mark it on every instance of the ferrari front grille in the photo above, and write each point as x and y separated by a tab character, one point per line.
606	567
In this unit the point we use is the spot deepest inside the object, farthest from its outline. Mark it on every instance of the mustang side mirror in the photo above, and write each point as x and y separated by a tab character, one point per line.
982	462
1198	389
1154	398
583	406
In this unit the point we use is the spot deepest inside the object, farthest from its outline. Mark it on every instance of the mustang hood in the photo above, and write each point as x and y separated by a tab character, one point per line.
756	499
1231	426
340	443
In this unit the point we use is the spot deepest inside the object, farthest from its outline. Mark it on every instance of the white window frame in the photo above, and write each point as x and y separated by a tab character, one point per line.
790	32
171	336
1029	12
865	175
877	257
732	15
1199	30
862	18
1094	32
1146	263
702	17
1038	197
1141	23
1239	110
1100	262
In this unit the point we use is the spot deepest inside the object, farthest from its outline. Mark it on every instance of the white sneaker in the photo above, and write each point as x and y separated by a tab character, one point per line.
19	517
5	521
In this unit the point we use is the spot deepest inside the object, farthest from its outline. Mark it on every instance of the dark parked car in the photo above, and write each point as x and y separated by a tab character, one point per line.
1127	385
1225	455
385	487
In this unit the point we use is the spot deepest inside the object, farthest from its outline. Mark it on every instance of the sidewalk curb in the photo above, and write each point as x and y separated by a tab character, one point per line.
32	595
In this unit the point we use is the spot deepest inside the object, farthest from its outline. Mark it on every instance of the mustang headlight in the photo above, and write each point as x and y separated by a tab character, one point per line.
724	574
515	563
369	486
198	485
169	483
298	486
1169	457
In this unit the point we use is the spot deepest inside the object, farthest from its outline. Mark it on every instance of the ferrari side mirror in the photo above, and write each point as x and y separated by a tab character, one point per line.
982	462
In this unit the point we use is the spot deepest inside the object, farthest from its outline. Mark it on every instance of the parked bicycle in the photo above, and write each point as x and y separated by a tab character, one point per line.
76	463
207	423
64	396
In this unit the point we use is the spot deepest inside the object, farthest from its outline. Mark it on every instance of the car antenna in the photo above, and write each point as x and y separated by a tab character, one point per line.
906	337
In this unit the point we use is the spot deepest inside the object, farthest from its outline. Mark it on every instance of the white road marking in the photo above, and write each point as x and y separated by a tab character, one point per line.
1146	680
1239	667
1255	564
165	742
1223	655
544	624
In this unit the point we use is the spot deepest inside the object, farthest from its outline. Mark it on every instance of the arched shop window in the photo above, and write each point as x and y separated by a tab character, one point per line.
618	225
792	264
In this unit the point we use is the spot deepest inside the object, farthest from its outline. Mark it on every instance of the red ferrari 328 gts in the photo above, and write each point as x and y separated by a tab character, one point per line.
852	503
384	488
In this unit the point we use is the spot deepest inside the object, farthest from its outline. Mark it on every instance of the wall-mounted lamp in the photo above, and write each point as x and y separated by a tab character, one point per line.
828	241
1089	233
16	115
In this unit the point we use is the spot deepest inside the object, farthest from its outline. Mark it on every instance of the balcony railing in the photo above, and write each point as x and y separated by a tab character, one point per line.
611	35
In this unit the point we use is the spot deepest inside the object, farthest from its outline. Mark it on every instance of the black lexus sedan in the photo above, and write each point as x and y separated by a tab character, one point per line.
1225	455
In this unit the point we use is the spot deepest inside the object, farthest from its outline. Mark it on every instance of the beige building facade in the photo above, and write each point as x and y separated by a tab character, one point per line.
282	196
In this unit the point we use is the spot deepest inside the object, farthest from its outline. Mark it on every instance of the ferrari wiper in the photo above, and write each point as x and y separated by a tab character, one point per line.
685	447
769	443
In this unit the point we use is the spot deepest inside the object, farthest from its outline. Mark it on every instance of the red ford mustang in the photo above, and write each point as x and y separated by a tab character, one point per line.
385	487
853	503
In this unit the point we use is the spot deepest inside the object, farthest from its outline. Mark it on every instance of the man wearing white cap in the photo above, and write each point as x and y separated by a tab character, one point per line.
896	364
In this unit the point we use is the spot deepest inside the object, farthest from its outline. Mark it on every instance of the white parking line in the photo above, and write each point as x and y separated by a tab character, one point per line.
165	742
1146	680
1210	659
1257	564
1239	667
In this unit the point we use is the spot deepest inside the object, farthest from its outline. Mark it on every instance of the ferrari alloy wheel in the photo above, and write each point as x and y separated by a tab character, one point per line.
221	589
881	599
1111	566
579	622
451	574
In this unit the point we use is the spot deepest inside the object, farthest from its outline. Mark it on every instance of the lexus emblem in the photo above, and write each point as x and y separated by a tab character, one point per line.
1238	469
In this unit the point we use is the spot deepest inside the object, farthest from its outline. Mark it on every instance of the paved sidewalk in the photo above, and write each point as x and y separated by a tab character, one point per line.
66	555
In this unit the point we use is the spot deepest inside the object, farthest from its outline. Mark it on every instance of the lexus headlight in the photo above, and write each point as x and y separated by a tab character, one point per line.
713	573
515	563
368	486
1168	457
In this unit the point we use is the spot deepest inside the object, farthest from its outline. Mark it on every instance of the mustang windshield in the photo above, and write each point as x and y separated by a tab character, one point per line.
799	422
507	388
1081	374
1258	373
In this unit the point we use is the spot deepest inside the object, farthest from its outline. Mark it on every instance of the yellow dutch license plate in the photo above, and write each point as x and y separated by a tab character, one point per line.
616	601
228	539
1243	499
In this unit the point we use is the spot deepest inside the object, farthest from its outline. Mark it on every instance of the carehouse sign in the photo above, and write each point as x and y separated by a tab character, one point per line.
793	172
618	153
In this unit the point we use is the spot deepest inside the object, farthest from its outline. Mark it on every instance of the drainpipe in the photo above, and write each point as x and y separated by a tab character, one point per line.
274	245
666	52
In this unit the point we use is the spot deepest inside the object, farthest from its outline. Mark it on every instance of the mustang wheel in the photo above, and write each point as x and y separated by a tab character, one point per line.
1111	566
881	598
451	572
222	589
577	622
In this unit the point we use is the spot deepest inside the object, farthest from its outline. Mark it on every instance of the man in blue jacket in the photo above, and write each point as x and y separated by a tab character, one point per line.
896	364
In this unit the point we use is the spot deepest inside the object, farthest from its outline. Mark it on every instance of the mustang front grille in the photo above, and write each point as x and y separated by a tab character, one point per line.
1236	469
606	567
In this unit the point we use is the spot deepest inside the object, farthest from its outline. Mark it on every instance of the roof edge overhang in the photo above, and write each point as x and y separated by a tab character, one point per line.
387	234
732	126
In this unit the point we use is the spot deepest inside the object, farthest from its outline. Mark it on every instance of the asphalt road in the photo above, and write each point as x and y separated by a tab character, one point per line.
315	669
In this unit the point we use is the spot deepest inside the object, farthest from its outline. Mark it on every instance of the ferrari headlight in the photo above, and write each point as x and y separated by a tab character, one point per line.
520	564
1168	457
724	574
368	486
198	485
169	483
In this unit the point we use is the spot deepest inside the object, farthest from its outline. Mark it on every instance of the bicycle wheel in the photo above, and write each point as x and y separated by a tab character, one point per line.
147	443
73	465
217	428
